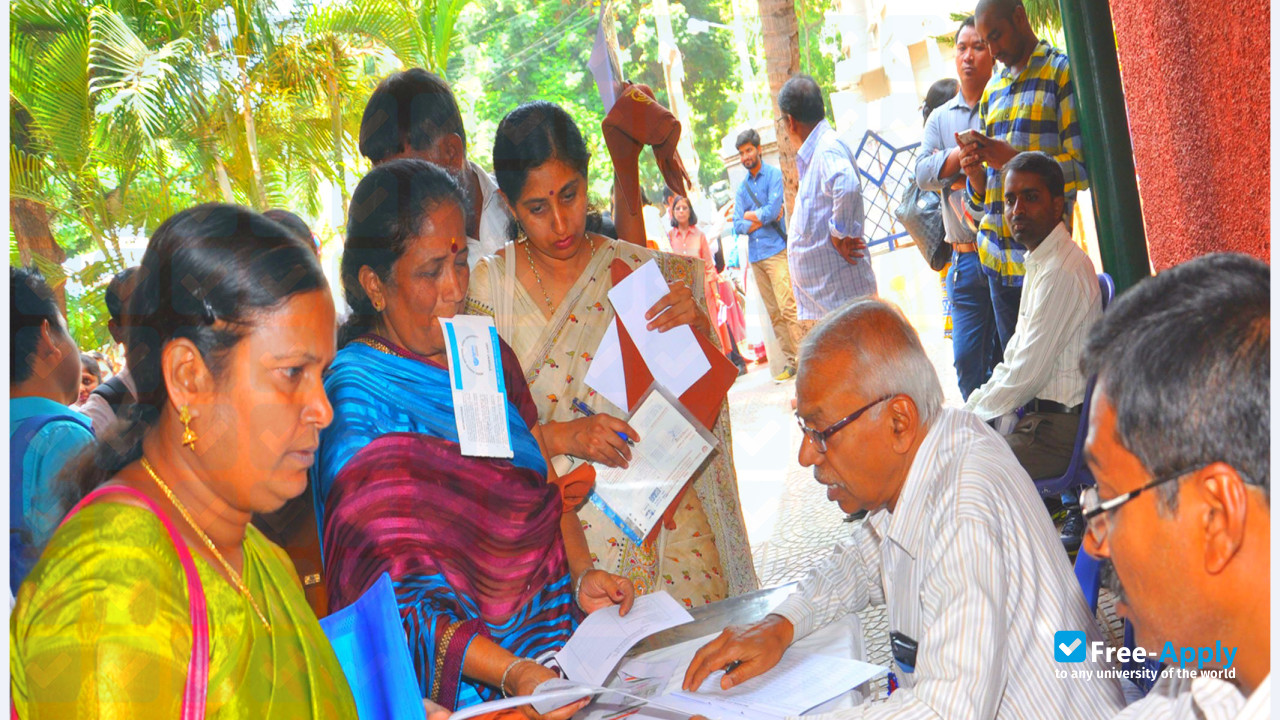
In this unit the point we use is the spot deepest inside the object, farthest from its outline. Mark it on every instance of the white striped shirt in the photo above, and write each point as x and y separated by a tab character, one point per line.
969	565
1200	698
1060	303
495	219
828	202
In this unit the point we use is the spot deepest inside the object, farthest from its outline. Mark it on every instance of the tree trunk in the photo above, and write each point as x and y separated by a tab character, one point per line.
30	223
335	127
251	136
782	60
224	182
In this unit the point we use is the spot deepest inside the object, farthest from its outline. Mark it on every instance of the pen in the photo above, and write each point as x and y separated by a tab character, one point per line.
582	408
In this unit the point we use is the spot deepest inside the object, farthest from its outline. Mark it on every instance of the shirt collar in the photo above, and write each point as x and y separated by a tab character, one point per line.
1041	50
1051	245
810	145
958	103
909	520
1216	699
487	186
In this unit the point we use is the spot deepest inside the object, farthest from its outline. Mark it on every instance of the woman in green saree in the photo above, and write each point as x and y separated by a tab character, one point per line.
230	329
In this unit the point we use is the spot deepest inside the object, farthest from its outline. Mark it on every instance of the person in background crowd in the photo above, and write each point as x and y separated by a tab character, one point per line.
655	227
1061	302
830	264
90	377
105	402
230	328
295	225
974	338
44	433
548	295
1029	105
413	113
1179	444
758	214
957	546
688	239
491	575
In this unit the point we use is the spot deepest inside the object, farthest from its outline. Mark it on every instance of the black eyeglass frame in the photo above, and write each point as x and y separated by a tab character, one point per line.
819	437
1104	506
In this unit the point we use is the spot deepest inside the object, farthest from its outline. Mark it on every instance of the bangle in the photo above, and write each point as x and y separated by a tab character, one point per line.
502	684
577	587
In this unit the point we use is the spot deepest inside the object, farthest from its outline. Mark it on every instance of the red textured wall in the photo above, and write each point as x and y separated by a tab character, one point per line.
1197	85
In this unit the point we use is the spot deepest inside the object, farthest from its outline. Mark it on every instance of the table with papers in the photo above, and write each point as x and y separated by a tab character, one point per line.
655	667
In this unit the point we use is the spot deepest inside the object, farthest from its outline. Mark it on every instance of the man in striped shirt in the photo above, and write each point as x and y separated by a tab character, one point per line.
1028	105
957	545
828	255
1061	302
1182	408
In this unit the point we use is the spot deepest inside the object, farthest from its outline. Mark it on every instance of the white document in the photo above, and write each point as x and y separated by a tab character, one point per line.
674	357
799	682
605	636
605	373
604	65
671	447
479	392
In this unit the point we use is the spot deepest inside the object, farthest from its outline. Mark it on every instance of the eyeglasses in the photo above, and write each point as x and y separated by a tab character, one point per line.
1097	513
819	437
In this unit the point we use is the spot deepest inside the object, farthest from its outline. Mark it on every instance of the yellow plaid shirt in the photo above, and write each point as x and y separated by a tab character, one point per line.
1034	110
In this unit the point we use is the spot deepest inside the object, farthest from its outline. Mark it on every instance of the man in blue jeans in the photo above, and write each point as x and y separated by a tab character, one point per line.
757	213
973	334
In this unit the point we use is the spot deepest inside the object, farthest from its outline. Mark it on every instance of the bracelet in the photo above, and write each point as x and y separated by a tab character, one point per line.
577	587
502	684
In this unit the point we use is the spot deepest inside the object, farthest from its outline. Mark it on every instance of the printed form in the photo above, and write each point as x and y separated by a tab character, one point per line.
672	445
479	391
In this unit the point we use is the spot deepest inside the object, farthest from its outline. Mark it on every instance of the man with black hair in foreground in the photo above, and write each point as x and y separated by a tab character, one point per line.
1179	444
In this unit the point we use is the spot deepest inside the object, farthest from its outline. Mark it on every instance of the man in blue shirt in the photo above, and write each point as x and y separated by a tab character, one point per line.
757	213
44	377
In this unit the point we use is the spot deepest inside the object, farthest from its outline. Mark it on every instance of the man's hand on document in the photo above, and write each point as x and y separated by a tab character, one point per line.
743	651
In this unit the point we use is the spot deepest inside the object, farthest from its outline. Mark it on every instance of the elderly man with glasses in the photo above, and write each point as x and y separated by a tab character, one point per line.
1179	440
957	544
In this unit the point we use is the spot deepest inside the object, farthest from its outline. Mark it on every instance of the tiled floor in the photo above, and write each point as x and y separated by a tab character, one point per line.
790	523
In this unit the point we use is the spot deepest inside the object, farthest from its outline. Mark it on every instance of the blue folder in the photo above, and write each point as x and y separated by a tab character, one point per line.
371	646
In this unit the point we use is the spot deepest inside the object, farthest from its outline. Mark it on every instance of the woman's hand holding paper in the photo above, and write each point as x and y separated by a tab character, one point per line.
599	589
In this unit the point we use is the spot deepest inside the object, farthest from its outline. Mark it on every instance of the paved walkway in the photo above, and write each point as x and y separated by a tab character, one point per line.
790	523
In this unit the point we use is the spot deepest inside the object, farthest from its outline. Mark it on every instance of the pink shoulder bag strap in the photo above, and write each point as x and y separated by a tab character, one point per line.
197	688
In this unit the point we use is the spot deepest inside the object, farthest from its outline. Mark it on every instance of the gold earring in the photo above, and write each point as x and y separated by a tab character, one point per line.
377	305
188	435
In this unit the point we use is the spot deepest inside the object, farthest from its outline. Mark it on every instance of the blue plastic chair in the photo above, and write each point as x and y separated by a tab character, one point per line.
1077	474
1089	574
1108	288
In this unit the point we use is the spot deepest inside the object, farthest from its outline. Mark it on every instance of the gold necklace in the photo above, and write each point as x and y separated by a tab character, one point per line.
235	576
538	277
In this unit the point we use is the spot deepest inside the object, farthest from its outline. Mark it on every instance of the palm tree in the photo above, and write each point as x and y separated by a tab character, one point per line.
782	60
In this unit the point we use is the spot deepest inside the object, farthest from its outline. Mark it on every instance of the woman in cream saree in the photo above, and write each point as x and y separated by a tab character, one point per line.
706	557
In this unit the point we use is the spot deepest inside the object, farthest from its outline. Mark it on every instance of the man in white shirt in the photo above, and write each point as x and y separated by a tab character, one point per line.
1060	303
1179	444
413	114
957	545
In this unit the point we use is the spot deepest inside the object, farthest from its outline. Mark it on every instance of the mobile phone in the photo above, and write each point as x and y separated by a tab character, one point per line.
968	137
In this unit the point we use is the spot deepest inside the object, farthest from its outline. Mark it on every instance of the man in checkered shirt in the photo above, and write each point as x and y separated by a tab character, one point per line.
1028	105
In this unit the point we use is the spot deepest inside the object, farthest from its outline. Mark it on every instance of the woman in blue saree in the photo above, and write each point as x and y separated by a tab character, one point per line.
491	572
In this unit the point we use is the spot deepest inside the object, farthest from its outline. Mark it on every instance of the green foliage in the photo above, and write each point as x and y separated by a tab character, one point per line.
513	51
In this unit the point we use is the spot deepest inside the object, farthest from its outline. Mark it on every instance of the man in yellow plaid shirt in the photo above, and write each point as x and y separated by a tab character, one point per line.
1029	105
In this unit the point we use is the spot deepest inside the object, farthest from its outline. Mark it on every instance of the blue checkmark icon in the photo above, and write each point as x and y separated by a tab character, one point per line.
1069	646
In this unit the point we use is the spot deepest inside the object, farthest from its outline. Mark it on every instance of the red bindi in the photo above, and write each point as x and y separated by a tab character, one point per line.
453	246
